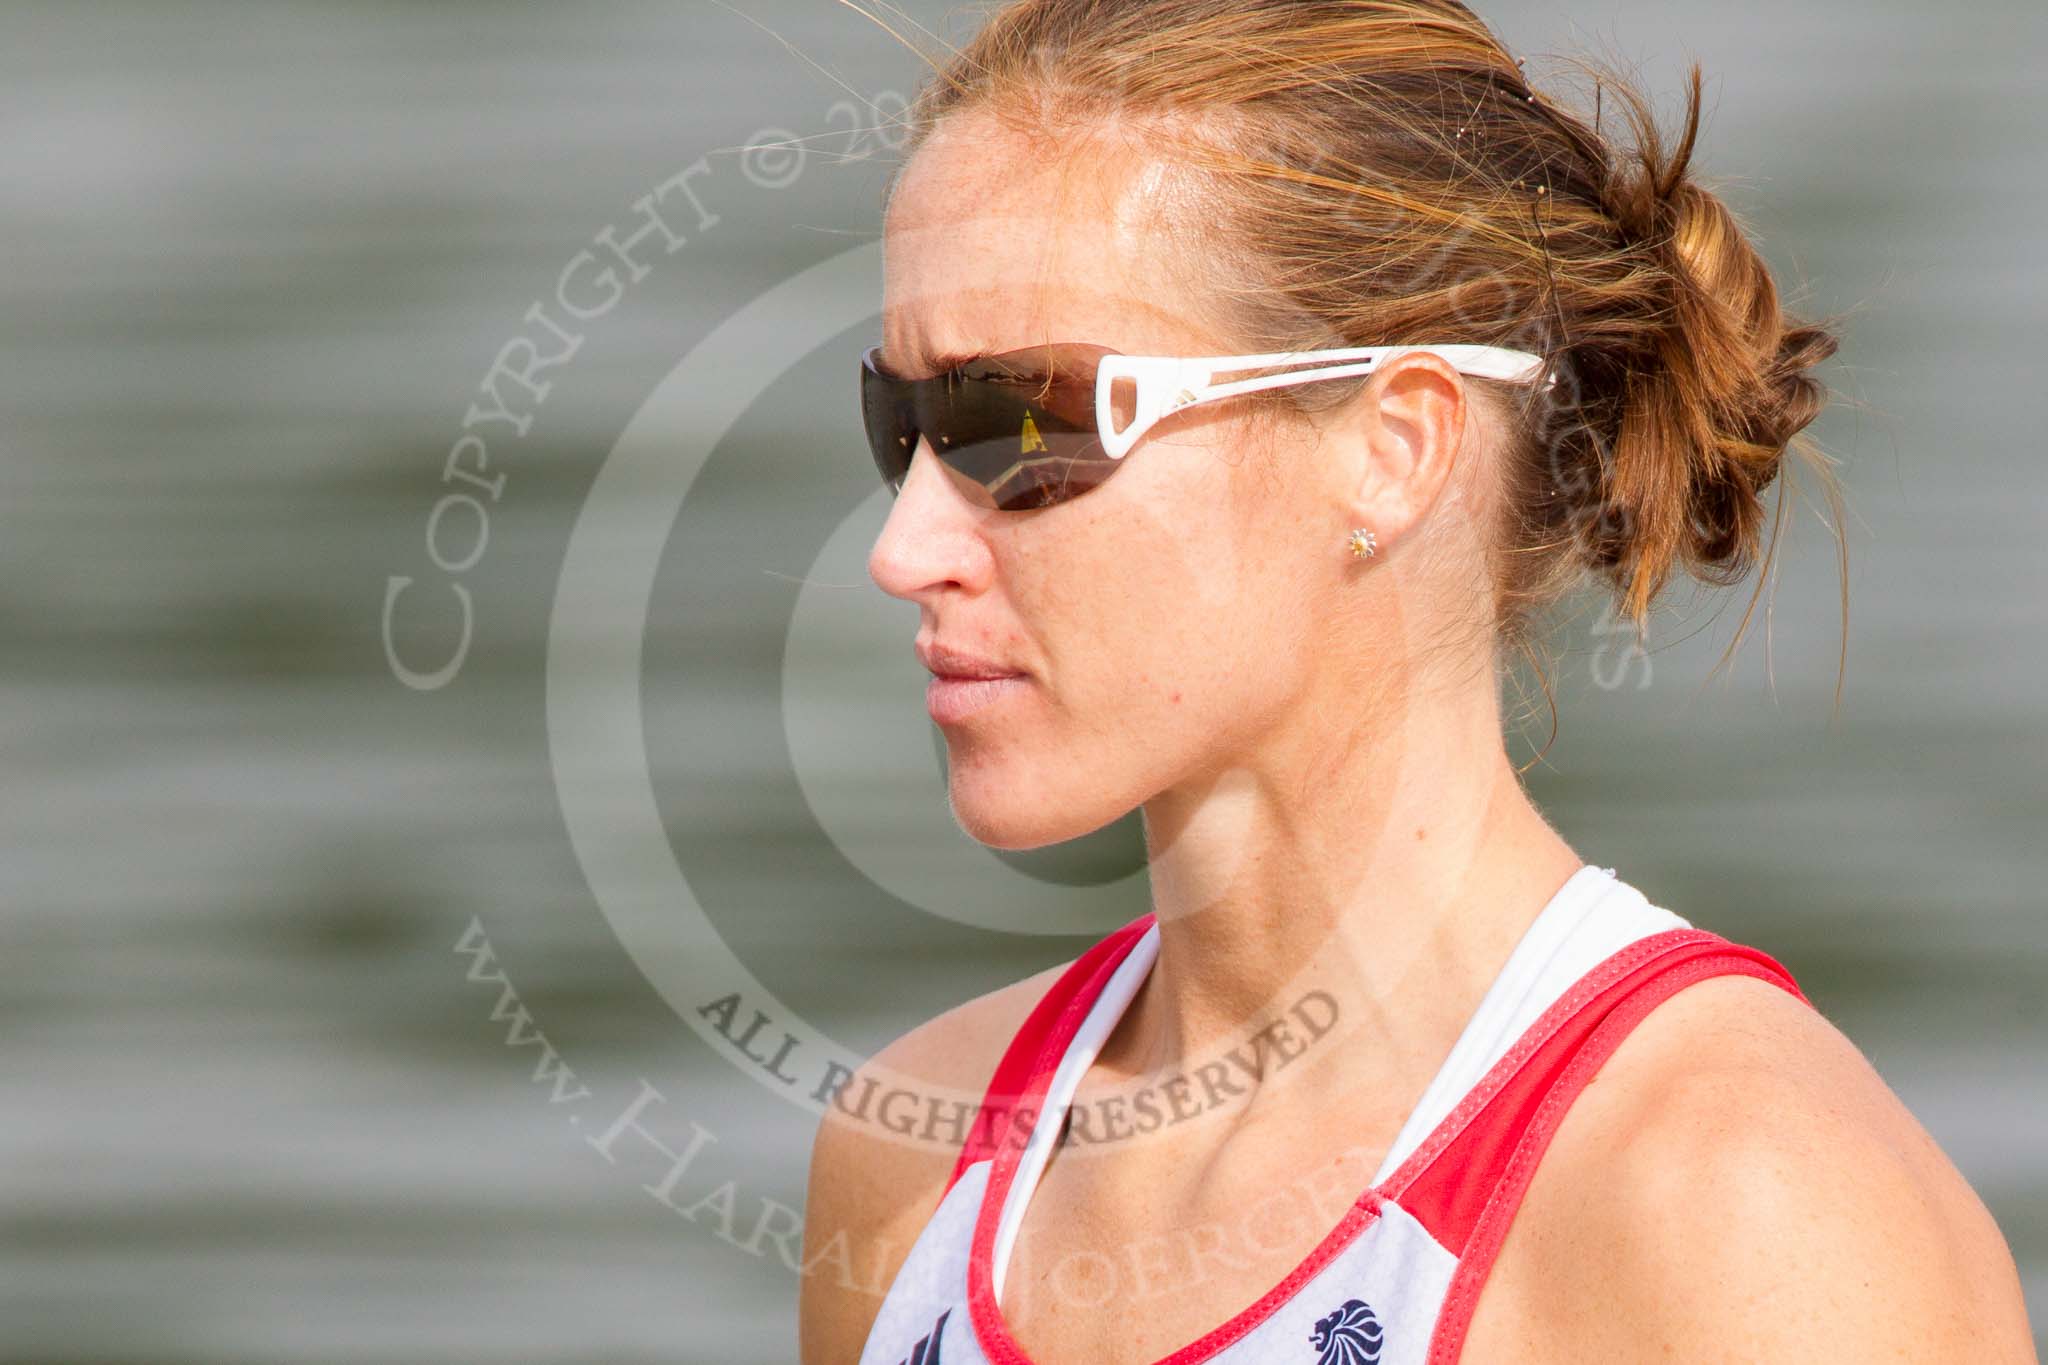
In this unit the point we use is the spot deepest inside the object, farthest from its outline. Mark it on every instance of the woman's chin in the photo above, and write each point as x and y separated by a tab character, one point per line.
1006	825
995	809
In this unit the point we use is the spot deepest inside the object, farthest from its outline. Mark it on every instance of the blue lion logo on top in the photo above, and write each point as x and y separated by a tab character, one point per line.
1349	1336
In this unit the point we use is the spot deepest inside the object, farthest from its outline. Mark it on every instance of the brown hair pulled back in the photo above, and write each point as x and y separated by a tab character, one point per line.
1380	172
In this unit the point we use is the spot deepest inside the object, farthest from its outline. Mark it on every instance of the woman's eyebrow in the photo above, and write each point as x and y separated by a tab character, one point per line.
931	362
942	361
917	360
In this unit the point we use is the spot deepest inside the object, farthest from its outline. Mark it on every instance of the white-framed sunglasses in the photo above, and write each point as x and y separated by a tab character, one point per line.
1043	425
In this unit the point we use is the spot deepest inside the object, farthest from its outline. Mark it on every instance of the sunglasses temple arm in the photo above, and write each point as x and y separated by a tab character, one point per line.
1166	385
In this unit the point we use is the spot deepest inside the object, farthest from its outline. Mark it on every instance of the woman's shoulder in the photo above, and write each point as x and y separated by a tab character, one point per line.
1739	1180
872	1187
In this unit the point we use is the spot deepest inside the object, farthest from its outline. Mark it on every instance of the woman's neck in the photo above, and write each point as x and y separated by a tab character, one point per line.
1383	876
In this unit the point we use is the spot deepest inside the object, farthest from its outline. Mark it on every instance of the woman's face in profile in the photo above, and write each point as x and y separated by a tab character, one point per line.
1163	620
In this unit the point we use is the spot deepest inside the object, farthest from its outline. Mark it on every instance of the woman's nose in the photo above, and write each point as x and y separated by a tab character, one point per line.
932	537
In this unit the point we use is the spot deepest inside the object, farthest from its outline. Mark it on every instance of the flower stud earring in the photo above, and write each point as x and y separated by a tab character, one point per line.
1363	543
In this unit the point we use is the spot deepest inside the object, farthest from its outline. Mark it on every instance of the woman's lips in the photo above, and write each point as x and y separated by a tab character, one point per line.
951	700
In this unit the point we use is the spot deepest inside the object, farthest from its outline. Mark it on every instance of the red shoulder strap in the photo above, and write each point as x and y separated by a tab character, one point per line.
1040	1042
1466	1181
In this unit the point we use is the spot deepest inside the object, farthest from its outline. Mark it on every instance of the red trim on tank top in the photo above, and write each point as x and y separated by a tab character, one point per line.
1508	1173
1053	1021
1441	1180
1024	1075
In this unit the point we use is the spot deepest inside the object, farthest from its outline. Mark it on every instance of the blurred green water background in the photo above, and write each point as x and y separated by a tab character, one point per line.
257	261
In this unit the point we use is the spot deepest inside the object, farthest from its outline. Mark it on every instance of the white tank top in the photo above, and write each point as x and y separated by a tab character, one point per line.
1396	1280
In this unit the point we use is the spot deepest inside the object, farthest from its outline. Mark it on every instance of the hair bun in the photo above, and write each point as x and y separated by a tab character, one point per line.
1719	388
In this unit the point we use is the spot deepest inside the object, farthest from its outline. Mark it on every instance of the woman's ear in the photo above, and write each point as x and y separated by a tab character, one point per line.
1408	430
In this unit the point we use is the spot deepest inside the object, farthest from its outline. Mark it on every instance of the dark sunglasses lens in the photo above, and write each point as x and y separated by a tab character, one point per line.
1024	452
886	409
1019	426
